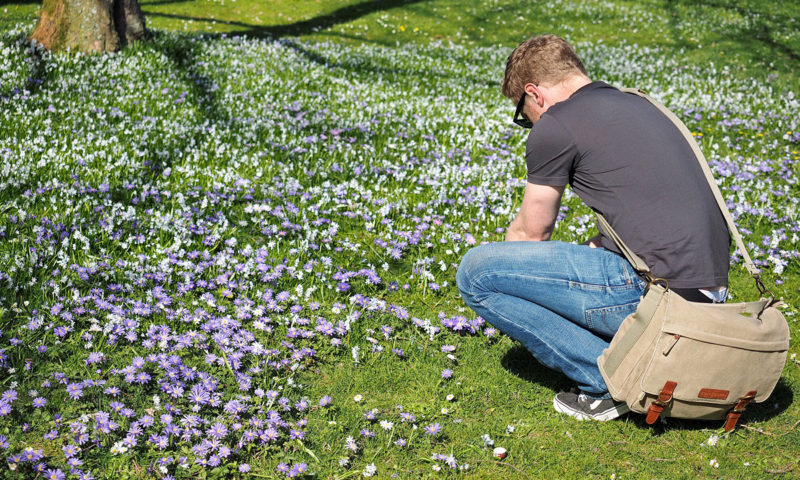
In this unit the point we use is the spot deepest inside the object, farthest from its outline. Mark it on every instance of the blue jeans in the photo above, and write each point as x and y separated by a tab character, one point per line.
562	301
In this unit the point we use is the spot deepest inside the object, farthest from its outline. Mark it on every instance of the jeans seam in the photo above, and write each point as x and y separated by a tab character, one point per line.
474	281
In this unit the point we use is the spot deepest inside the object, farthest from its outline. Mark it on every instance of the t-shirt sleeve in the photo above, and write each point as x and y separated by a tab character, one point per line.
550	153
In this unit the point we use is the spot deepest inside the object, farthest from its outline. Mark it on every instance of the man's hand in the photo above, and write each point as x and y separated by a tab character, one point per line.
537	215
593	242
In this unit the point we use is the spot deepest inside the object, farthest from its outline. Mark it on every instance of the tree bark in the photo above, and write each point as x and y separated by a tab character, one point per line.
89	25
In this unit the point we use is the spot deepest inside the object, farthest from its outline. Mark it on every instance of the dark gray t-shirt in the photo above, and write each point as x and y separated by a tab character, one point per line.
626	160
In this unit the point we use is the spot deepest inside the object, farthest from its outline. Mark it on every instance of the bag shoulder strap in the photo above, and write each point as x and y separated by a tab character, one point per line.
636	261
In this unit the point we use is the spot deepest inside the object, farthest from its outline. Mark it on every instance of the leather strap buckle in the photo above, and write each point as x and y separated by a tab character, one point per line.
660	403
738	409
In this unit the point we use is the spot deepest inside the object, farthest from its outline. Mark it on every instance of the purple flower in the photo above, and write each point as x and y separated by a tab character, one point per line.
325	401
31	455
75	390
370	414
297	470
95	357
9	396
407	417
234	407
217	430
447	373
70	450
39	402
54	474
244	468
433	429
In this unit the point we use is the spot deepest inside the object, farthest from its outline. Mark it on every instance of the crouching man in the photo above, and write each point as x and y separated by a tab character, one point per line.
625	160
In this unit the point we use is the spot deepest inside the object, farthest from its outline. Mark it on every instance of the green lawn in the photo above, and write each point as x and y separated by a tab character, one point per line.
199	203
756	37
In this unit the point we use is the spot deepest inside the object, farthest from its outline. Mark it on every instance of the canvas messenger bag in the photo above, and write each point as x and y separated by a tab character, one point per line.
676	358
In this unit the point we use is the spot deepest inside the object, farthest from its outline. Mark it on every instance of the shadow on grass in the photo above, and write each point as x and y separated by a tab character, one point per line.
764	30
776	404
341	15
521	363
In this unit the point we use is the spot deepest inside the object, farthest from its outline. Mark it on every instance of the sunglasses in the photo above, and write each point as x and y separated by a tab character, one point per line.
520	118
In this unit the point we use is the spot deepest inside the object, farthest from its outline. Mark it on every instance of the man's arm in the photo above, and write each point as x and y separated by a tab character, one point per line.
537	215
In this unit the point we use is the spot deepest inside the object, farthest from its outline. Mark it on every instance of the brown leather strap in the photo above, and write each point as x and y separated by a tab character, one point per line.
657	407
736	412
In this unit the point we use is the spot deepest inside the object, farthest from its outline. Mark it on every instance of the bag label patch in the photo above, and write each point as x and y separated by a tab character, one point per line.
713	393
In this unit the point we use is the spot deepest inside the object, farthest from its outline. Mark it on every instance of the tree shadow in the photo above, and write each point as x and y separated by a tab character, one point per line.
341	15
183	58
761	29
148	3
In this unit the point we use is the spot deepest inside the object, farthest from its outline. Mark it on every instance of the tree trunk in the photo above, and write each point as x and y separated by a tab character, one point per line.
89	25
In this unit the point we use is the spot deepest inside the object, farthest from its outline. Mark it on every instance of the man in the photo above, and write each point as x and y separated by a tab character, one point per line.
624	159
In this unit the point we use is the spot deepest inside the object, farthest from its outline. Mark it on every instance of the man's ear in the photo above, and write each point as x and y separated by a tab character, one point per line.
536	93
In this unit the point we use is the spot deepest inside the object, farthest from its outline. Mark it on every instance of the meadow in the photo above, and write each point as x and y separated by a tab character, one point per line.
232	254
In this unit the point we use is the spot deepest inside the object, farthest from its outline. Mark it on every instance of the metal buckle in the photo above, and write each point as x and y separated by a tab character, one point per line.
762	289
653	280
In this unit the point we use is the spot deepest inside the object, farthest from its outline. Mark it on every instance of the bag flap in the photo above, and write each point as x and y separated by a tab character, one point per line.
751	325
719	382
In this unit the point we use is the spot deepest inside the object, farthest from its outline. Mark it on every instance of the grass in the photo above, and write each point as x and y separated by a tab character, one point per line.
202	159
755	37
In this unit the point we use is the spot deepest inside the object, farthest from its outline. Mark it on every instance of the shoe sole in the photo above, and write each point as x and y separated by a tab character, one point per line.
604	416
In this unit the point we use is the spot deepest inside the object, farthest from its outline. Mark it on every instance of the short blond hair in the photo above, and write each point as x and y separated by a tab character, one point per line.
540	59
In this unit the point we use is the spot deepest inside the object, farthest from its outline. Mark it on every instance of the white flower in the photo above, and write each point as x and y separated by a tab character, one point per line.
350	444
358	398
714	463
436	467
712	440
450	397
386	425
118	448
370	470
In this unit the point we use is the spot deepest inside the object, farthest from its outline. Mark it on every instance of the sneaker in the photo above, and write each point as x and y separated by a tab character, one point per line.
583	407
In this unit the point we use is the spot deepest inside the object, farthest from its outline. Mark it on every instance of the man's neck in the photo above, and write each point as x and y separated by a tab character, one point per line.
564	89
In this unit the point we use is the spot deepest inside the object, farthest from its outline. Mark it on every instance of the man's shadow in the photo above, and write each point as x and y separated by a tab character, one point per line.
521	363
